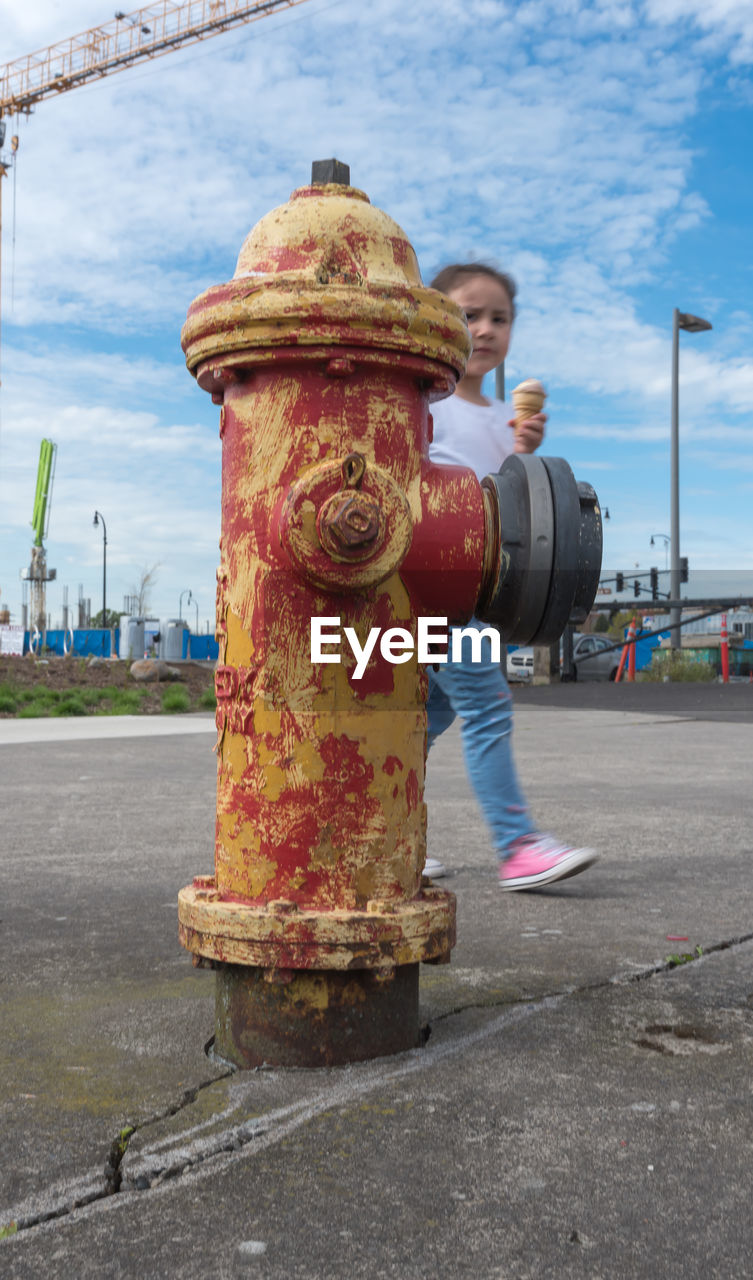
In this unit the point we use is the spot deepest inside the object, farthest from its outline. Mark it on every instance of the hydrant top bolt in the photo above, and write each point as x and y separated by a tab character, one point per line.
326	171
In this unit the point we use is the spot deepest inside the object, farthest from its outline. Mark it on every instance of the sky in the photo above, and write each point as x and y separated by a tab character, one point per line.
597	149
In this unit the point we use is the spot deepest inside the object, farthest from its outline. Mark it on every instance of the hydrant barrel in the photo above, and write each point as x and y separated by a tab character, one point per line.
324	351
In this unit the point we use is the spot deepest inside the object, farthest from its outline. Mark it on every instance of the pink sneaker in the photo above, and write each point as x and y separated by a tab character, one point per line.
540	859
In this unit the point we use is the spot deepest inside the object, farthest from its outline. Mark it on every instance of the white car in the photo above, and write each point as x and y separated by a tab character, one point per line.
520	664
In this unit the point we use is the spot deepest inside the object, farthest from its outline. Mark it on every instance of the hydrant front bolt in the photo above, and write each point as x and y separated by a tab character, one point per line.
354	521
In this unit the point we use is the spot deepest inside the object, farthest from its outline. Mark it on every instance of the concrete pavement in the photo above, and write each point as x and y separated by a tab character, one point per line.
580	1108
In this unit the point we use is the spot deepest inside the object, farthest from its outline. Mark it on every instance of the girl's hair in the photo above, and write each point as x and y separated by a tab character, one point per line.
448	277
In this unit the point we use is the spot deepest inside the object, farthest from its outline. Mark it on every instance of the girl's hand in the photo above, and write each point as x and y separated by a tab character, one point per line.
529	434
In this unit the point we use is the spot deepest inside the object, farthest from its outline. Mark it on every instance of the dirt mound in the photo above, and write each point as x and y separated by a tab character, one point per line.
46	686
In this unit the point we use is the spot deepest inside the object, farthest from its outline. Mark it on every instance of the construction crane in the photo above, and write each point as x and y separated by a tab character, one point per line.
127	39
148	32
37	573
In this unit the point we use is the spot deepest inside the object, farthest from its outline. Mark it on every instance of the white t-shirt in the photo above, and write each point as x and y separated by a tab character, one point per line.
472	435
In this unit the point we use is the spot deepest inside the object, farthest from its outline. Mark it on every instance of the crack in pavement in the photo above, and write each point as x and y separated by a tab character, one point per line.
78	1193
201	1155
617	980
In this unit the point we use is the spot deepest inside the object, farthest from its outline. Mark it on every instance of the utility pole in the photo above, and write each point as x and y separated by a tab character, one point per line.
691	324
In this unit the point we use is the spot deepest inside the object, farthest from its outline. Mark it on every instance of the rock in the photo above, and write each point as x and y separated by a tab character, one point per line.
151	669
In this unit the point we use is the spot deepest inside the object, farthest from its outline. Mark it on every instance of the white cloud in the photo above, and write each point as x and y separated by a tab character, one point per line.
728	24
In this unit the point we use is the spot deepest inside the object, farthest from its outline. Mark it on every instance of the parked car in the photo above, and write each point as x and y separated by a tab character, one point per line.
520	664
594	658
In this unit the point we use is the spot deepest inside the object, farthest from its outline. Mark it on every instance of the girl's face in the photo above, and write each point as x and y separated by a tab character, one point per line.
488	313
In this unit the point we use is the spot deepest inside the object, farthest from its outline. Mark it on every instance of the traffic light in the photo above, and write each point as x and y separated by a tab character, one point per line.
636	588
683	568
620	580
654	584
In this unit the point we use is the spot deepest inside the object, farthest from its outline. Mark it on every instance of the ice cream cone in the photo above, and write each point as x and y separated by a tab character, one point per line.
528	398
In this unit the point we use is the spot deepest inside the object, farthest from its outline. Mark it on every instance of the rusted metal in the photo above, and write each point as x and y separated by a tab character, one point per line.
350	521
379	933
309	1018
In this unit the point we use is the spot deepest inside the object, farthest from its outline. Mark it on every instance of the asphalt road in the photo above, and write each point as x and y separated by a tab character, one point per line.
581	1108
731	703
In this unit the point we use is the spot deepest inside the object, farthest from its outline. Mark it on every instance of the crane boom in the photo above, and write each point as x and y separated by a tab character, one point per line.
144	33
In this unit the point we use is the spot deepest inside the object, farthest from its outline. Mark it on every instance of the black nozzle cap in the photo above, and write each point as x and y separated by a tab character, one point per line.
323	171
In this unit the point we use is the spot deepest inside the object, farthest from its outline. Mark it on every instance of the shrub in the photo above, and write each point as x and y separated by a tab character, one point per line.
8	702
208	700
70	705
33	709
92	697
40	693
175	699
677	666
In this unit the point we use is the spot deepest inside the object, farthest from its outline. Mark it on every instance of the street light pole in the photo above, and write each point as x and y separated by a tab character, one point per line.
97	517
691	324
186	592
666	540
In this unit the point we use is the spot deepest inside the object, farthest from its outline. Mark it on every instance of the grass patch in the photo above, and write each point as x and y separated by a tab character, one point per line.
123	702
684	957
35	701
175	699
33	710
39	694
93	697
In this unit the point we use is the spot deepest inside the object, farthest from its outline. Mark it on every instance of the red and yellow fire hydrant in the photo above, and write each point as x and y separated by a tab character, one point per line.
325	352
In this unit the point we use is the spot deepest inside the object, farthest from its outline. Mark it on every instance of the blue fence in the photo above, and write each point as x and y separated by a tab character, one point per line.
92	642
200	648
96	642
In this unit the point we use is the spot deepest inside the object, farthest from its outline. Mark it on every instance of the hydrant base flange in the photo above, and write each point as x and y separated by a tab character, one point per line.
314	1018
281	935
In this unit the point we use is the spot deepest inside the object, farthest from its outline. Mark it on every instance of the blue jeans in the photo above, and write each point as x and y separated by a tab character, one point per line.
479	694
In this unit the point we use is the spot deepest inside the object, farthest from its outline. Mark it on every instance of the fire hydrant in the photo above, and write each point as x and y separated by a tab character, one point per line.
325	351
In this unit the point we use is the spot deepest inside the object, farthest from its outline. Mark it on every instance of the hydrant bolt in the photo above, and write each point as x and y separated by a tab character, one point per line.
353	521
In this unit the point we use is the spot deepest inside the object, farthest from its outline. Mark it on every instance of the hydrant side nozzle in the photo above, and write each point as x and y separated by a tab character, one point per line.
543	549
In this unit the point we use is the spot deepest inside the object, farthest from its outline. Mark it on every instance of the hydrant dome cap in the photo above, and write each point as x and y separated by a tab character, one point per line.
329	234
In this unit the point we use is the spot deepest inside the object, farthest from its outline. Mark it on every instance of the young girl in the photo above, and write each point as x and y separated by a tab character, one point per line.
472	431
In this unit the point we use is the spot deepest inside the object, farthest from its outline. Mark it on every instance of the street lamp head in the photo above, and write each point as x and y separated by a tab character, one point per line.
95	522
691	324
652	540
